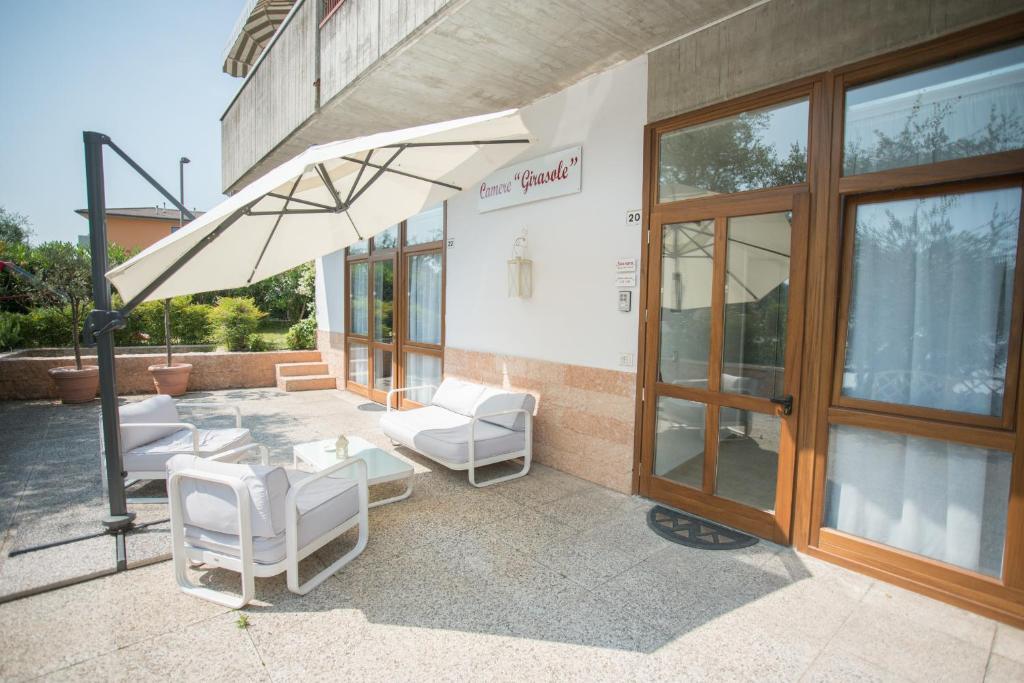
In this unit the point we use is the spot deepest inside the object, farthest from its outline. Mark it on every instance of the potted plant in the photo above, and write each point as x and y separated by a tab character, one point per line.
170	378
65	269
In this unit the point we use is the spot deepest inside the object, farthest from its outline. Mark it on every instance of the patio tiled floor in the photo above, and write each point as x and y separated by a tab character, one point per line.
546	577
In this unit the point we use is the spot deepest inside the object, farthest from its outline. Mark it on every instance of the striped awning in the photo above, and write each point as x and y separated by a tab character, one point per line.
255	27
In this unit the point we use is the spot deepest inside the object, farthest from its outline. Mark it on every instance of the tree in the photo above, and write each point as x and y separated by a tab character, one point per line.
67	269
14	228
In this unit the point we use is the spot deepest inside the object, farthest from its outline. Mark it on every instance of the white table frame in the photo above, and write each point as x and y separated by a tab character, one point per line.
406	475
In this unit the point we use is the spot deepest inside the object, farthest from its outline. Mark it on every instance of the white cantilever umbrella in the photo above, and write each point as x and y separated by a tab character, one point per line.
323	200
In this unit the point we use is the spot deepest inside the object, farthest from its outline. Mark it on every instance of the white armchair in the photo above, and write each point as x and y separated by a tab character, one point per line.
466	426
152	432
259	520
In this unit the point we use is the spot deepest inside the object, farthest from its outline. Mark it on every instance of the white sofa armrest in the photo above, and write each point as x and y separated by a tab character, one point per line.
232	407
528	431
404	389
179	425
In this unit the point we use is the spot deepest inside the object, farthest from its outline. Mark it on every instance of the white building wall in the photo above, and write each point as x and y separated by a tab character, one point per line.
330	292
574	241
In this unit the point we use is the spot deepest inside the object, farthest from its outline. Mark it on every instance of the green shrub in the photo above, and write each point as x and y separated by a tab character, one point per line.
258	342
49	326
302	335
10	331
191	323
236	320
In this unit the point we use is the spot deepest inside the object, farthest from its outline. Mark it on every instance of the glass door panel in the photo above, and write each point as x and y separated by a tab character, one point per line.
679	449
425	293
756	304
384	301
687	257
383	324
721	436
748	457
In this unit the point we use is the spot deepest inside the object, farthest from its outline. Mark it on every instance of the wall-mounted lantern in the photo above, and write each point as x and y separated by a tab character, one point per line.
520	271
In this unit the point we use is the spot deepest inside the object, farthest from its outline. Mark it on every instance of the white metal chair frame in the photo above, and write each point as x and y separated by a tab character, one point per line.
184	554
472	463
150	475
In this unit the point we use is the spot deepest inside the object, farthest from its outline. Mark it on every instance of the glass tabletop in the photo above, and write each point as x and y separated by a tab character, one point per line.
381	466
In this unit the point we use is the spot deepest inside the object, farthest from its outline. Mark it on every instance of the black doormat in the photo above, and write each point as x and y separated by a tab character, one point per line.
695	532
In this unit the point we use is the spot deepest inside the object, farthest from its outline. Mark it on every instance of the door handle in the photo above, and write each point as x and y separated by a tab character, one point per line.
786	402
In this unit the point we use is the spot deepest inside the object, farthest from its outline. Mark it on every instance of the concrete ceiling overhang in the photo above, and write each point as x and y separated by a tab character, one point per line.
478	56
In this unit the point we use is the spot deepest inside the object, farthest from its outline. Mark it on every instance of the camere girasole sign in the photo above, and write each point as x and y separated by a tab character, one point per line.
552	175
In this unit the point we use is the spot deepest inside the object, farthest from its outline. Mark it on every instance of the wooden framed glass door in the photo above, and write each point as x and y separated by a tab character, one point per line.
725	282
395	310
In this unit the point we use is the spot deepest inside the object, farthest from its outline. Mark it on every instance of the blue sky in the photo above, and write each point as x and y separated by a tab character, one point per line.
145	73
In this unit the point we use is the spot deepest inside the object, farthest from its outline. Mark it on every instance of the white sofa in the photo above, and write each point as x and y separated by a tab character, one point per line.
152	432
466	426
259	520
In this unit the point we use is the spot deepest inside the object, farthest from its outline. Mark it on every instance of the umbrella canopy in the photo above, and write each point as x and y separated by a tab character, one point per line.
322	200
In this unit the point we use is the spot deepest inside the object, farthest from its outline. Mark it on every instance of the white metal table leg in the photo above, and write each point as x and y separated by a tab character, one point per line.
394	499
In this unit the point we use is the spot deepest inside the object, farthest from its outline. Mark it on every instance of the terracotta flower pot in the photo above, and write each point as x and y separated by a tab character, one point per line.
171	379
74	385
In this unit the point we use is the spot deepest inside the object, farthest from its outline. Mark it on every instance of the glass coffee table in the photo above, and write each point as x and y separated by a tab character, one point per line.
381	466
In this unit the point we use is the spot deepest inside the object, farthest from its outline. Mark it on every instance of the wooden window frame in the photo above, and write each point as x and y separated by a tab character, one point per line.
1007	418
832	196
1002	597
401	344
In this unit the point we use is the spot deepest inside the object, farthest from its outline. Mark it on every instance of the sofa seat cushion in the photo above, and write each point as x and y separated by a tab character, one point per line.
323	506
152	457
442	434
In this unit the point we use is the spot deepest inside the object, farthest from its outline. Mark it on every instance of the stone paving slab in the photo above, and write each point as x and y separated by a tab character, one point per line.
547	577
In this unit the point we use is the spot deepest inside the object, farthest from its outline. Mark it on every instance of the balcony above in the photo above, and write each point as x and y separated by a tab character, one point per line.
373	65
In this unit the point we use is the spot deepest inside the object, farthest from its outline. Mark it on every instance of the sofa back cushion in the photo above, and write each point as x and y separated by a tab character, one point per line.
496	400
156	410
214	507
458	396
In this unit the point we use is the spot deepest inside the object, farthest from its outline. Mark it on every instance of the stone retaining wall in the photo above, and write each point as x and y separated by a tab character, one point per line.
25	377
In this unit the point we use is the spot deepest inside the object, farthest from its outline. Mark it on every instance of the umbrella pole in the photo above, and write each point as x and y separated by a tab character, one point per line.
119	520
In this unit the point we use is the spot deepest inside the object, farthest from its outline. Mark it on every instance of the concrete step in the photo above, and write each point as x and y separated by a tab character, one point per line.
301	369
306	382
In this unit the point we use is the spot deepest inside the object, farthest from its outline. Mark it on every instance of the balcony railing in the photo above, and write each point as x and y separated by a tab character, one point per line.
329	7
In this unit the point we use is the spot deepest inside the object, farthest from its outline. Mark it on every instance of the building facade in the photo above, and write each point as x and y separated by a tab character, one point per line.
779	290
137	227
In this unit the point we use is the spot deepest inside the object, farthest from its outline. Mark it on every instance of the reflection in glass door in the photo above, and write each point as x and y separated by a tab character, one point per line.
722	426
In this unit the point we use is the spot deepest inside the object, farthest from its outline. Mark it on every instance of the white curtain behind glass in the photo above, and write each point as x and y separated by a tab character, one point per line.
929	319
942	500
931	301
425	294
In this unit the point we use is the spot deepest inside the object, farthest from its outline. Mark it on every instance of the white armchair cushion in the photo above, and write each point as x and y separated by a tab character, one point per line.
214	506
495	401
153	456
323	506
458	396
153	410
